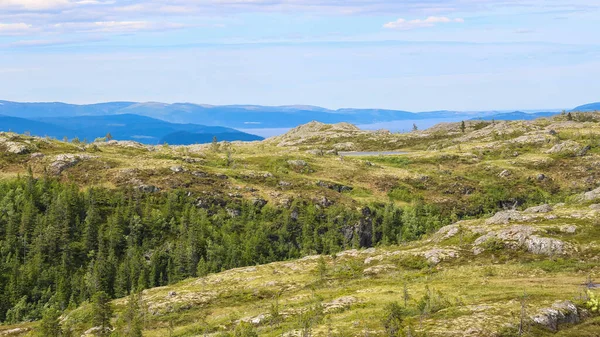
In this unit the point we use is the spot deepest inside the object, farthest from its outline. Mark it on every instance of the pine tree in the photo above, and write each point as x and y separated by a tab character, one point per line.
108	136
103	312
50	324
132	319
463	127
392	319
215	144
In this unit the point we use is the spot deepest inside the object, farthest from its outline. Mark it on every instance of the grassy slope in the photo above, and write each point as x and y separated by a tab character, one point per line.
481	293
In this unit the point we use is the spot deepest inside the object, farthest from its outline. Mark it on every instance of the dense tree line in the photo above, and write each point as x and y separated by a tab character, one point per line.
59	245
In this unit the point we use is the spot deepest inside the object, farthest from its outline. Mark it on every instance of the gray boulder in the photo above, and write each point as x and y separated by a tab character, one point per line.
259	202
65	161
545	246
16	148
234	213
539	209
591	195
504	174
297	163
564	312
148	188
568	147
504	217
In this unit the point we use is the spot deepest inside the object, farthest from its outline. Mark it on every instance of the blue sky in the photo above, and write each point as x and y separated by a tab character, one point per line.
409	55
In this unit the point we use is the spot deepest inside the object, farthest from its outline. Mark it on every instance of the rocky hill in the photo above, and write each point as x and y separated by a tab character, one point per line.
478	229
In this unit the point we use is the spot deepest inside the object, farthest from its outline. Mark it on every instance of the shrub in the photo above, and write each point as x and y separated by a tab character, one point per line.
393	316
593	304
414	262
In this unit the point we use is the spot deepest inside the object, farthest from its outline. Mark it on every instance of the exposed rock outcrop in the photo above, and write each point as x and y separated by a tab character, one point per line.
65	161
560	313
568	147
505	217
539	209
590	196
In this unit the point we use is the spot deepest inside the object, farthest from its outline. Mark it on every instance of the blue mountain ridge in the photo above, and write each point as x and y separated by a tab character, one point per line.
123	127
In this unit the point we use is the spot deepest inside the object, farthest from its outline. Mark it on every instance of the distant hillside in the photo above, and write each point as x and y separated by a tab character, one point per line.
235	116
588	107
22	125
517	115
253	116
189	138
122	127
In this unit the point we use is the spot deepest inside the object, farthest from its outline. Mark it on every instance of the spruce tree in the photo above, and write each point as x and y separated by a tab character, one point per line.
50	324
103	312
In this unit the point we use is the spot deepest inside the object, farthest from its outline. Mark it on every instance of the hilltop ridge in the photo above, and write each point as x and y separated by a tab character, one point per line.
293	236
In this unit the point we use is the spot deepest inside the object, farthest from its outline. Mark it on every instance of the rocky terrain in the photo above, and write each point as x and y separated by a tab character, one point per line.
516	255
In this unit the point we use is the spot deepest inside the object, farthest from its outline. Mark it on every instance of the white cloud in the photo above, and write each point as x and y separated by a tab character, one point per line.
14	28
431	21
45	5
115	26
34	4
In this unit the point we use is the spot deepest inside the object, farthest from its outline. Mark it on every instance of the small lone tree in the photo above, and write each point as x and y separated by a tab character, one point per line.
275	314
322	268
463	127
393	316
569	117
108	136
405	294
523	320
215	144
132	318
415	127
102	313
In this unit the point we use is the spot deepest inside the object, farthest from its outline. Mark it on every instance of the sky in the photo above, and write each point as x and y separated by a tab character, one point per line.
394	54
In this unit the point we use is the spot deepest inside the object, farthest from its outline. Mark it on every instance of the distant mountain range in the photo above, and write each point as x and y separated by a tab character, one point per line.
588	107
122	127
185	123
517	115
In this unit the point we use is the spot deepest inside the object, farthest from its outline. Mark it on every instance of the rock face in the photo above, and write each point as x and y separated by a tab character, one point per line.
560	313
518	236
545	246
362	231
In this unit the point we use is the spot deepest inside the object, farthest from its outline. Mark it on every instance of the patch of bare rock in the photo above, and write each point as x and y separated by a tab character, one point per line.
560	313
64	161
